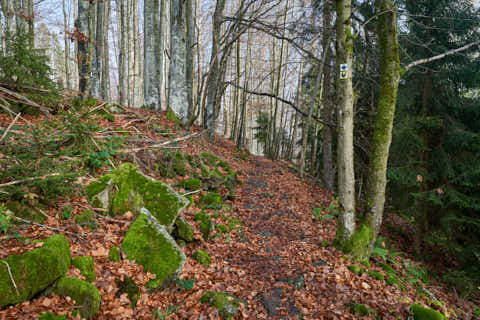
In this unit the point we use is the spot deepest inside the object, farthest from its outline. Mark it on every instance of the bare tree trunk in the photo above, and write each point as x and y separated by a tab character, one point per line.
135	57
122	94
189	52
67	46
177	91
344	93
106	53
210	116
151	67
82	24
97	89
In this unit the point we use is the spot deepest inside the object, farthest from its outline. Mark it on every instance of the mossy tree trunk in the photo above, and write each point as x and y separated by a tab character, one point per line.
382	132
344	101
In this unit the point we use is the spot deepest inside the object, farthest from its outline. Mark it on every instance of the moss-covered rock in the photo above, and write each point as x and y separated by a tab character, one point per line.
422	313
211	200
205	224
191	184
114	254
376	275
361	309
85	294
25	211
203	257
128	189
183	230
128	286
86	267
34	271
150	245
226	304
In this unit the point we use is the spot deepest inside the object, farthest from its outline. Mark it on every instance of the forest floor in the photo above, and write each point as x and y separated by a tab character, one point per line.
280	261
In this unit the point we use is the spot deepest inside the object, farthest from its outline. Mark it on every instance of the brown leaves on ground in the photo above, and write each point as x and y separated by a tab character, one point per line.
278	251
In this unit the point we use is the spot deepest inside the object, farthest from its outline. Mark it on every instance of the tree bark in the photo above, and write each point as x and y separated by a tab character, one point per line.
67	46
177	91
344	101
82	25
122	94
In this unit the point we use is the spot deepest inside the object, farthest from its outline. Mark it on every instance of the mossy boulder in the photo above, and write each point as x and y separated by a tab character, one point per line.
150	245
226	304
211	201
128	189
34	271
85	294
114	254
25	211
86	267
183	230
86	218
128	286
205	224
203	257
422	313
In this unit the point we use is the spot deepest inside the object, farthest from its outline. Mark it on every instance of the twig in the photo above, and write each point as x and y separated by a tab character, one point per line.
11	277
25	100
28	179
162	145
98	148
9	126
192	192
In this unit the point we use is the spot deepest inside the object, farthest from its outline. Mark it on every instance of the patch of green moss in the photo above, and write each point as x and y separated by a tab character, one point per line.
85	294
179	166
51	316
34	271
388	269
151	246
210	199
209	158
86	267
183	230
128	286
226	304
25	211
355	268
324	243
376	275
359	244
86	218
365	263
170	115
191	184
221	228
361	309
114	254
203	257
422	313
205	224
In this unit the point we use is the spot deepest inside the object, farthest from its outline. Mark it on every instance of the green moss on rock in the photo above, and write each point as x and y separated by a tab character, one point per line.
203	257
210	199
86	267
85	294
114	254
34	271
128	286
191	184
226	304
205	224
25	211
51	316
422	313
183	230
150	245
128	189
376	275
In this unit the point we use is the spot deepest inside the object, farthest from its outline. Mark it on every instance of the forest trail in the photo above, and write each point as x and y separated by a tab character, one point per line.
278	257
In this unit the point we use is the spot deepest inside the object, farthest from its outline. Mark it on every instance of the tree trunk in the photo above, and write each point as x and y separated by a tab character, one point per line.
122	94
189	51
345	100
106	54
67	46
365	236
97	89
150	61
82	24
177	91
210	115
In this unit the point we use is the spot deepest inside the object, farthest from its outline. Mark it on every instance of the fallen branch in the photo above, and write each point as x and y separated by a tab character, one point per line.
25	100
55	229
10	126
162	145
28	179
11	277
